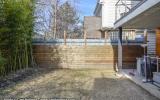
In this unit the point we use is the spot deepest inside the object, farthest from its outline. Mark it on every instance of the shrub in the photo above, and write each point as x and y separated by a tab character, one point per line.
16	30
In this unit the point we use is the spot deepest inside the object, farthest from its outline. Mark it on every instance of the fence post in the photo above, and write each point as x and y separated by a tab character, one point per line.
65	35
85	38
106	36
145	36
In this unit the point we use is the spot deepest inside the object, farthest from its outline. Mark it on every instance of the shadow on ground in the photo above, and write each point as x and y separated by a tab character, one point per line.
78	84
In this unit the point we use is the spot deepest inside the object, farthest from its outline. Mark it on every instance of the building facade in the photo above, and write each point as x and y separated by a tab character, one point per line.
92	30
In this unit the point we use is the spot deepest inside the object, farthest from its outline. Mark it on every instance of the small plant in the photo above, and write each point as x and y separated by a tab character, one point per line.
2	65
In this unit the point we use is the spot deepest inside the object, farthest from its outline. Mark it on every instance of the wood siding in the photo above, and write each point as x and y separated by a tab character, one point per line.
129	54
158	42
108	15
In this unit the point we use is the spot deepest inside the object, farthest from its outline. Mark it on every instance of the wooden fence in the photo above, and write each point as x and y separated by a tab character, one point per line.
89	56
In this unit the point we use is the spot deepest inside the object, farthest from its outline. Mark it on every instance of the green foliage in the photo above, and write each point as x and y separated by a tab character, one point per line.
16	30
2	65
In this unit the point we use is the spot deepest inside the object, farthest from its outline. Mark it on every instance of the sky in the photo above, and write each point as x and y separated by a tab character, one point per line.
86	7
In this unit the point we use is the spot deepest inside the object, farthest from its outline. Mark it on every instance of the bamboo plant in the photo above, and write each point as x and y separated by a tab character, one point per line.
16	30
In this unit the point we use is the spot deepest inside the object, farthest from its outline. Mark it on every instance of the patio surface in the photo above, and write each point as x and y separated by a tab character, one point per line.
76	84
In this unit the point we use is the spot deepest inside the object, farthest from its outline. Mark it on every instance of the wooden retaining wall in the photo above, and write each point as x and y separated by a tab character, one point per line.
85	56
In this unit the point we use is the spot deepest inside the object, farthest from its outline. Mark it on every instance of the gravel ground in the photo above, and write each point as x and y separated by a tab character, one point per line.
75	84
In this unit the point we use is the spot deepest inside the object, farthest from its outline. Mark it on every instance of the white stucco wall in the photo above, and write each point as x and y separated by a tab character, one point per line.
108	13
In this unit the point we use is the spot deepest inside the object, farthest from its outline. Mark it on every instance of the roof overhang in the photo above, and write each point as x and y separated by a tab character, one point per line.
144	15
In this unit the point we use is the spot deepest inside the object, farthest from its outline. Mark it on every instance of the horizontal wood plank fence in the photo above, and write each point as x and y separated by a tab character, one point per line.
89	56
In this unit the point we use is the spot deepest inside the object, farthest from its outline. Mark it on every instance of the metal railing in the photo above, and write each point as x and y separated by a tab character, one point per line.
127	35
111	37
122	7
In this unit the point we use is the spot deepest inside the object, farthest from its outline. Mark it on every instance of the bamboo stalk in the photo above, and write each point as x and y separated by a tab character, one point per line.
19	36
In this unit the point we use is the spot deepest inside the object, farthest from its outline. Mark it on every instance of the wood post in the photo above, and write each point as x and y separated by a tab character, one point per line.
145	41
106	36
65	36
145	36
158	41
85	38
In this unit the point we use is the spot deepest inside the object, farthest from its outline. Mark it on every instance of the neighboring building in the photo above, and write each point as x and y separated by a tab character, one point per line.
92	25
106	10
109	11
102	24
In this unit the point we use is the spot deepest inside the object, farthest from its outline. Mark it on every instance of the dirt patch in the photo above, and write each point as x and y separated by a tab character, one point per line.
78	84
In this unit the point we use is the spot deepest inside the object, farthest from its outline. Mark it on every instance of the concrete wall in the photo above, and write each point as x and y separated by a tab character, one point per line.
92	26
108	13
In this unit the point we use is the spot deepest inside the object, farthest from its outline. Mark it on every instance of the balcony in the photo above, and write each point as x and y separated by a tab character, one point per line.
137	13
125	6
